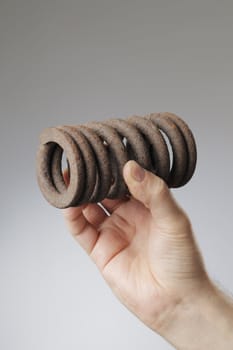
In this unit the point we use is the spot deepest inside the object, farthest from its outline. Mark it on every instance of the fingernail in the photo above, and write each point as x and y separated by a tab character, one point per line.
137	172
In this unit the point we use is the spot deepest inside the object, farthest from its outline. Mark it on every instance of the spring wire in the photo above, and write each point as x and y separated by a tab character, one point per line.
96	153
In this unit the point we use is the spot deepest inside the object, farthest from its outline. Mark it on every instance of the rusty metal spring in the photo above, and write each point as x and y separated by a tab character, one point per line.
97	151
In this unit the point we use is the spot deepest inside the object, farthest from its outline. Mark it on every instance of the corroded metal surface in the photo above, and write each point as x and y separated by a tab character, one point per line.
97	151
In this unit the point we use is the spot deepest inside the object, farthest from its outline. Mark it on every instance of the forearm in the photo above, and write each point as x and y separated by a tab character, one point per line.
202	322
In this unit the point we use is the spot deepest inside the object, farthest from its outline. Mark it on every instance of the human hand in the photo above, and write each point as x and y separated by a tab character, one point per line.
145	249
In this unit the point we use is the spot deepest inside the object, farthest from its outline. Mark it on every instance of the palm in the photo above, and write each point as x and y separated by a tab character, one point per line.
143	263
146	252
122	253
127	264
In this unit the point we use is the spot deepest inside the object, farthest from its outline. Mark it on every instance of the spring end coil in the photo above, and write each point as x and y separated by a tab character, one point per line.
96	153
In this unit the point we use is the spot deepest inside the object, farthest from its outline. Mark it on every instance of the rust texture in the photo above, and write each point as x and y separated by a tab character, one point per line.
97	151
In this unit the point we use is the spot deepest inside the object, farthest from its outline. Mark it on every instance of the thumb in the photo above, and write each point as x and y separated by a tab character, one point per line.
151	191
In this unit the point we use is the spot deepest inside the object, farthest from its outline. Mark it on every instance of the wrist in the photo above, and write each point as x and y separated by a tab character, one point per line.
201	320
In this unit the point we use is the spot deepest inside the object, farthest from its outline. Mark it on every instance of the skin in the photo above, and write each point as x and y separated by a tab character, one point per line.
146	251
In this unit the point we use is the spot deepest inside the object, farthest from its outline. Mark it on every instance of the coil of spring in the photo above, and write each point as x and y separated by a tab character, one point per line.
97	151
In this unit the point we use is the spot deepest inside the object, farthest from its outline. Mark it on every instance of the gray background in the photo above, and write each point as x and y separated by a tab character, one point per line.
70	61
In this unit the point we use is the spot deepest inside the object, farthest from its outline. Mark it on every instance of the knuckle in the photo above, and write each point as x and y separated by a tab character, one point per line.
160	188
155	188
